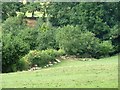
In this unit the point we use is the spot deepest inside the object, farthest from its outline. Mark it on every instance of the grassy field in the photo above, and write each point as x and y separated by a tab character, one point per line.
70	73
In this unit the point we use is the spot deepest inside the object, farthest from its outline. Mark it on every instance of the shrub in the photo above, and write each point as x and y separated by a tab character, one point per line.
61	52
46	40
23	64
88	45
52	53
41	58
75	41
105	48
67	37
12	50
115	38
29	35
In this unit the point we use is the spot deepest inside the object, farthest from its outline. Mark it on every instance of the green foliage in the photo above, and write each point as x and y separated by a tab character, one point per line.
46	39
80	28
98	18
13	45
23	64
46	35
115	38
41	58
13	24
67	37
12	50
101	30
9	9
39	23
88	45
74	41
31	7
61	52
60	13
105	48
30	35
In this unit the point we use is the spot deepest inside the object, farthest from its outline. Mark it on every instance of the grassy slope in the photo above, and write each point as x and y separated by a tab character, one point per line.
68	74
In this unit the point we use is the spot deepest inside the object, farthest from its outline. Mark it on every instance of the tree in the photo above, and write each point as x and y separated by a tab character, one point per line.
14	25
10	8
59	12
31	7
97	17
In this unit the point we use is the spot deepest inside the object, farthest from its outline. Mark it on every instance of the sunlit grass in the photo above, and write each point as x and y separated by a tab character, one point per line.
28	14
101	73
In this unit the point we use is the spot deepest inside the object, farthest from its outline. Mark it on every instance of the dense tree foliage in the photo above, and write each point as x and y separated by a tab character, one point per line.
100	18
9	9
31	7
78	28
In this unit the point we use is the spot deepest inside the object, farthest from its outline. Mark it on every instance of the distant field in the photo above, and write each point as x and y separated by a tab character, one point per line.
36	14
101	73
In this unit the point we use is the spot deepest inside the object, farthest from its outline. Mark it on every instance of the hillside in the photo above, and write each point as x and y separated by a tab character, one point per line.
70	73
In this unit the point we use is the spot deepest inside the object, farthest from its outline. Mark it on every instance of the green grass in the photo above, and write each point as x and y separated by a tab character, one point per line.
101	73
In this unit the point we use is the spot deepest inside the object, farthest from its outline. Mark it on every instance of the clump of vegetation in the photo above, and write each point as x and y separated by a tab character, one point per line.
39	58
13	49
76	41
78	29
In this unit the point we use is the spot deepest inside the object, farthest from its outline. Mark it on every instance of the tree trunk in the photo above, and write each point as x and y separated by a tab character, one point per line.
32	14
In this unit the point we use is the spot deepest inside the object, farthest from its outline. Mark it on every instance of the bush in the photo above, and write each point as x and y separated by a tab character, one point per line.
115	38
88	45
67	37
29	35
12	50
105	48
23	64
46	40
61	52
75	41
41	58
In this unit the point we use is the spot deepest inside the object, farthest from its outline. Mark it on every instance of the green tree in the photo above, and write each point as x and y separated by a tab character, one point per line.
60	13
31	7
10	8
14	25
97	17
